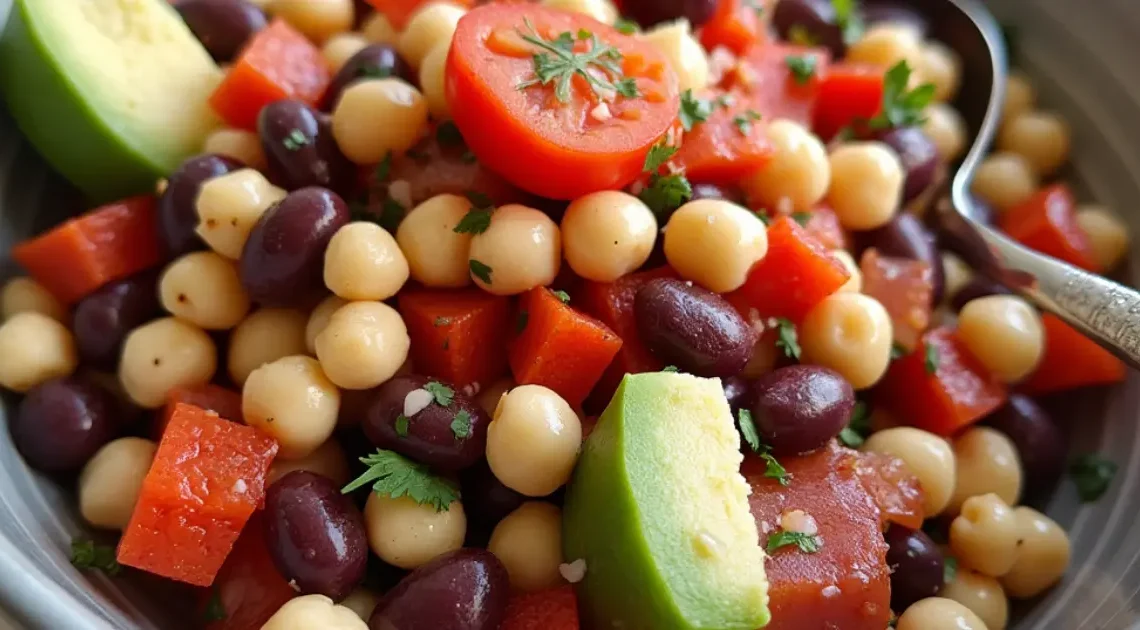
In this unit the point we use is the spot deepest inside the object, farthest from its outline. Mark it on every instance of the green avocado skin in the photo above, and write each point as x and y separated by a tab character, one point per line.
56	119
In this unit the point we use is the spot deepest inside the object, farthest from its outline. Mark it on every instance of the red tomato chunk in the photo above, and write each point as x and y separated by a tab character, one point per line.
457	336
1047	222
894	490
1071	360
905	288
249	588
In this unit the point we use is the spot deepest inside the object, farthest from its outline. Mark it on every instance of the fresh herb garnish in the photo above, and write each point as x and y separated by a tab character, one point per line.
775	470
801	217
694	110
384	168
802	67
744	120
442	321
807	543
461	425
932	359
395	476
87	555
558	64
373	72
897	351
627	26
521	321
949	569
858	427
401	425
447	134
442	394
762	214
787	338
849	20
562	296
481	271
748	429
902	107
391	214
670	368
1093	474
215	610
476	221
664	192
295	140
799	35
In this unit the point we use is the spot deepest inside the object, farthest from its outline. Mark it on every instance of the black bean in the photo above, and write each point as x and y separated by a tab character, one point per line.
103	319
223	26
736	392
980	286
283	259
177	211
906	237
1040	443
800	408
916	564
809	22
466	589
300	148
61	423
315	535
648	13
372	62
692	328
447	437
485	499
919	158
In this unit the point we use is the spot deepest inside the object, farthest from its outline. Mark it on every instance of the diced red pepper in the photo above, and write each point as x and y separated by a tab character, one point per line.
955	394
560	348
905	288
796	274
249	588
399	12
207	479
224	402
552	609
277	63
1047	222
848	94
846	584
825	227
895	491
106	244
764	74
457	336
1071	360
736	25
717	150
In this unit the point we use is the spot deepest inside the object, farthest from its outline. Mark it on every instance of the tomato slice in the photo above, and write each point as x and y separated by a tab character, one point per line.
555	148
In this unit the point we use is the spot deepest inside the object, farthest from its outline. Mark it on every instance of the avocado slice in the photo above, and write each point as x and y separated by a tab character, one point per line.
658	510
112	93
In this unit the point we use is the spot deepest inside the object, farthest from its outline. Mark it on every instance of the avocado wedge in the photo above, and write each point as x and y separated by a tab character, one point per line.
112	93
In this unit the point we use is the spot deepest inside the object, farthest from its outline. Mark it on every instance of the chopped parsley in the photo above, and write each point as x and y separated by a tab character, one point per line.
215	610
1093	474
627	26
476	221
858	427
384	168
442	321
461	425
664	192
897	351
521	322
802	67
401	425
295	140
395	476
442	394
558	64
562	296
658	155
775	470
787	339
748	429
849	19
807	543
391	214
87	555
670	368
801	217
932	359
902	107
949	569
373	72
744	120
480	270
762	214
694	110
447	134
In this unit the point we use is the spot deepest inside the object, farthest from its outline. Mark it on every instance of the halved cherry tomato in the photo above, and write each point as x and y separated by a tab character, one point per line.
555	148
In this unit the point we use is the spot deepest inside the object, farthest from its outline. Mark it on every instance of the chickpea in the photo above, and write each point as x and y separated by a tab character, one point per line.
489	398
431	25
316	19
378	30
855	283
1042	138
938	613
407	534
34	348
163	355
363	262
941	67
984	536
328	461
362	602
866	184
340	48
946	129
1004	180
1043	552
239	144
982	594
431	81
25	295
437	255
110	483
957	273
375	117
533	440
522	249
887	44
675	40
608	234
319	319
1107	235
266	335
529	543
204	289
307	612
363	345
230	205
798	174
927	456
987	462
715	243
600	10
1005	333
293	401
851	334
1020	96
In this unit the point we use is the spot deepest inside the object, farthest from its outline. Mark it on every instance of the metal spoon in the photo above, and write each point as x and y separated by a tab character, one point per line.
1105	311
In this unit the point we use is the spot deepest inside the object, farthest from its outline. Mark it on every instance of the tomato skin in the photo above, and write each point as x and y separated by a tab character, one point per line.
716	151
529	142
764	75
848	93
1047	222
905	288
1071	360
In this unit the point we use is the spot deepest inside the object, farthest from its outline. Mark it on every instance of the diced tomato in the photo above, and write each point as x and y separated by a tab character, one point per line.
1071	360
847	583
718	150
905	288
764	73
457	336
249	588
399	12
848	93
207	478
895	491
736	25
796	274
940	387
106	244
1047	222
825	227
224	402
559	347
552	609
277	63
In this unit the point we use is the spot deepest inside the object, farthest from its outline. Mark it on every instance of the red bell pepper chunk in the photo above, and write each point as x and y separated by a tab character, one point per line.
765	74
207	478
276	64
249	589
399	12
796	274
736	25
718	150
905	288
106	244
957	394
824	225
1047	222
559	347
457	336
224	402
1071	360
848	94
552	609
895	491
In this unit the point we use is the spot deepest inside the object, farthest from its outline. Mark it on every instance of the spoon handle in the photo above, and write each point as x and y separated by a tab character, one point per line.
1105	311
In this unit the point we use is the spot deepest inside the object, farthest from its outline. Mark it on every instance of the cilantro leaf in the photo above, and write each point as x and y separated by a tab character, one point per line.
668	192
949	569
670	368
897	351
1093	474
563	296
480	270
748	429
295	140
447	134
802	67
932	359
787	338
384	168
807	543
744	120
461	425
902	107
87	555
762	214
694	110
849	19
858	427
401	425
658	155
476	221
215	610
558	64
395	476
391	214
627	26
801	217
442	394
775	470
